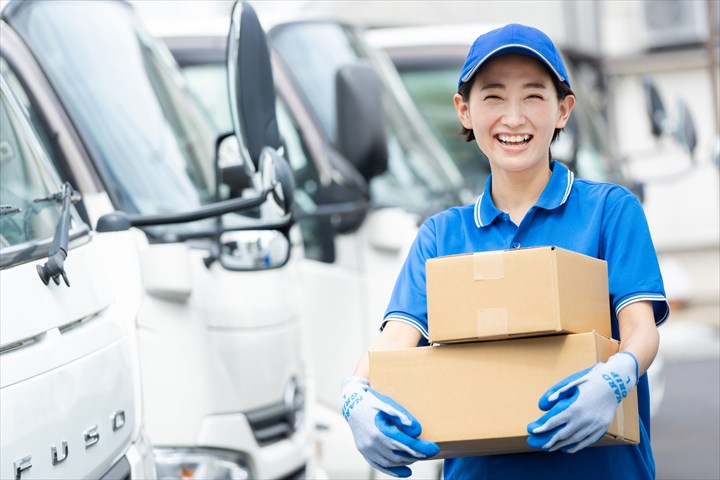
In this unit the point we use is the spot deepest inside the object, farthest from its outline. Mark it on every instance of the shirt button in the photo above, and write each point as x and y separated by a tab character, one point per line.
516	245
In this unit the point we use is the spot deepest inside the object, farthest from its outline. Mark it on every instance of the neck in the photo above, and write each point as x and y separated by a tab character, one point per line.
516	192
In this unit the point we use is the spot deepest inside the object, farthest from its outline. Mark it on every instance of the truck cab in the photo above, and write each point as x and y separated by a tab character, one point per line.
367	171
70	395
220	333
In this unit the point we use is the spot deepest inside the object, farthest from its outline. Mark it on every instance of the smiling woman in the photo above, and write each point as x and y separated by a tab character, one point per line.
530	200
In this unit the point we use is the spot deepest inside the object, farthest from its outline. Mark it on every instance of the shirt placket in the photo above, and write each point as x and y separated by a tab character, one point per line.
516	240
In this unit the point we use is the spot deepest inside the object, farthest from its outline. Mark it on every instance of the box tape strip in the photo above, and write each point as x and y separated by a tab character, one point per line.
489	265
492	321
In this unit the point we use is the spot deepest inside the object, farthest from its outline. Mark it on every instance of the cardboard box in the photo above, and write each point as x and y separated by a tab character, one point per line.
478	398
516	293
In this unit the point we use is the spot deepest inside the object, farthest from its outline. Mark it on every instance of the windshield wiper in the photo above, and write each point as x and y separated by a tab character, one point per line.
9	209
55	266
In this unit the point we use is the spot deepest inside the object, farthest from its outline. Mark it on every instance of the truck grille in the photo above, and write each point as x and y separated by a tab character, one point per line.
270	424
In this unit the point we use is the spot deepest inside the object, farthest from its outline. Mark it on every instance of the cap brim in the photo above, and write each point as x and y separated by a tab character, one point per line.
514	48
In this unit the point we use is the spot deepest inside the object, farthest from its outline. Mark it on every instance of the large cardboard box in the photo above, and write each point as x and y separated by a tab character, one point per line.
516	293
478	398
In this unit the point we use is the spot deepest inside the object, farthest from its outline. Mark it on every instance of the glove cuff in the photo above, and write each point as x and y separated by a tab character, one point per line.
625	362
351	392
622	371
353	384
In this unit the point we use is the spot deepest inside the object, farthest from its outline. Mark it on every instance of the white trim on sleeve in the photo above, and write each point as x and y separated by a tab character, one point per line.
646	297
409	320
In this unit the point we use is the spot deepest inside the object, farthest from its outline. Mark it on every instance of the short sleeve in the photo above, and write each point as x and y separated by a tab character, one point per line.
408	302
633	268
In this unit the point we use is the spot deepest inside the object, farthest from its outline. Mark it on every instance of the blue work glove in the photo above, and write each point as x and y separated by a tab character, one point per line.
385	433
581	407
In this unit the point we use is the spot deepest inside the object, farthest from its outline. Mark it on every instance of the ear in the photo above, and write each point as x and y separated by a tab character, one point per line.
566	107
463	111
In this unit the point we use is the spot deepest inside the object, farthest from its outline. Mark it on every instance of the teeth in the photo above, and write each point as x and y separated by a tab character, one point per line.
513	138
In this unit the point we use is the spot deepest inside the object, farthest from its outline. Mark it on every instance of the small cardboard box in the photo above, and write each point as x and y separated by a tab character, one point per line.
478	398
516	293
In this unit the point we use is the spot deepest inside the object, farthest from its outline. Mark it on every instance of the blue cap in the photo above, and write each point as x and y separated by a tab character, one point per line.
514	38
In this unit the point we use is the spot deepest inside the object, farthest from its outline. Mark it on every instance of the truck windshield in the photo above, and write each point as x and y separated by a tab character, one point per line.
28	213
152	146
421	177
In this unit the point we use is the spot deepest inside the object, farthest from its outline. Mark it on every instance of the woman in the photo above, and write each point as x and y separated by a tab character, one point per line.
513	99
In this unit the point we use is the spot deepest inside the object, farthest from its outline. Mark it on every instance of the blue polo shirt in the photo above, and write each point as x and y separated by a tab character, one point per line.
601	220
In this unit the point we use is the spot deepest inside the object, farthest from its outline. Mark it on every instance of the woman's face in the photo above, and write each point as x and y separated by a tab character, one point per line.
513	110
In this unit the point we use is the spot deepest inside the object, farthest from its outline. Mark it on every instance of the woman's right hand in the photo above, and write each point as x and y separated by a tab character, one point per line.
385	433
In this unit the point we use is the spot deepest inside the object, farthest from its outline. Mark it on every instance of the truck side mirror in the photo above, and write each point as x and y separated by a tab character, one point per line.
659	122
685	132
250	85
361	136
254	250
251	244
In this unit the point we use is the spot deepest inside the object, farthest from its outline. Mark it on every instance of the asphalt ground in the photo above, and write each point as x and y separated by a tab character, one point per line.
685	432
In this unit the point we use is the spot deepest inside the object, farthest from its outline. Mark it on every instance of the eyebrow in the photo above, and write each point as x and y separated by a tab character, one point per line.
501	86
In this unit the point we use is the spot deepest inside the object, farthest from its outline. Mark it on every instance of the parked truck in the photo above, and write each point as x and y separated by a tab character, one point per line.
367	172
220	332
70	396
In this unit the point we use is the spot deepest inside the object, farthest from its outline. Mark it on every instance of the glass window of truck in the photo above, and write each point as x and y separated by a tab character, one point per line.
28	212
148	130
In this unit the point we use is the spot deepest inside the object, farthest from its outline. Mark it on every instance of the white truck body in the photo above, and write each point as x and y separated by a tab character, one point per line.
347	276
70	398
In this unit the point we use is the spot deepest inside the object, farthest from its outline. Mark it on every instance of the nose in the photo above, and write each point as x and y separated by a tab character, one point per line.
514	115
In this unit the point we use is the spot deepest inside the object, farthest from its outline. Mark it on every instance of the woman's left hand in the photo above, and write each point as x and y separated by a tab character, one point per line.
581	407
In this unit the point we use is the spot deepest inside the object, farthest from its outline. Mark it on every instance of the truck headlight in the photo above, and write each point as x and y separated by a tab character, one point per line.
199	463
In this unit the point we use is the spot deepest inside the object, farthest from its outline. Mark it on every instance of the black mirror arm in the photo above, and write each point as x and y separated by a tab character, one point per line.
118	221
213	210
328	210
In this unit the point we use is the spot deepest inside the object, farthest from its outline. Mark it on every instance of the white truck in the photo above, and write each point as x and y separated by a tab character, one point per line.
367	171
70	398
220	335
